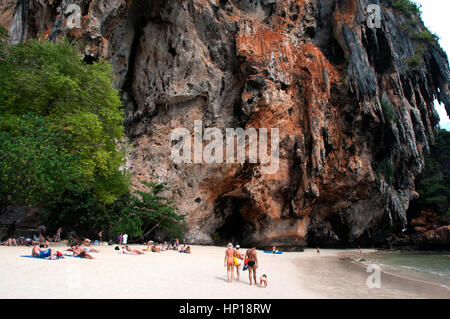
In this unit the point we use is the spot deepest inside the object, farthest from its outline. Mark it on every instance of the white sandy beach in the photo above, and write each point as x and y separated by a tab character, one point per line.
292	275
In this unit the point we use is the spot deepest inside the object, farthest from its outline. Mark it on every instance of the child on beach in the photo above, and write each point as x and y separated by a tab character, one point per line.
263	280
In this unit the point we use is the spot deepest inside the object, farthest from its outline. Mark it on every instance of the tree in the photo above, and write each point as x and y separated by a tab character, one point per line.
148	211
36	161
434	184
49	80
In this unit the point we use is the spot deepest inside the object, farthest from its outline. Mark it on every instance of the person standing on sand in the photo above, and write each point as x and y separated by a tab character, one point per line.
58	234
41	231
238	257
120	239
228	261
125	239
11	230
318	251
252	264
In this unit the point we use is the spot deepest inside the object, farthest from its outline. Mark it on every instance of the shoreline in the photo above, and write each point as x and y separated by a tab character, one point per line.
411	273
201	275
392	284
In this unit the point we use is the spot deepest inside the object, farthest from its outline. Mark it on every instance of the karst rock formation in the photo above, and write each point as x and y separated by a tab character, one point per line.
314	69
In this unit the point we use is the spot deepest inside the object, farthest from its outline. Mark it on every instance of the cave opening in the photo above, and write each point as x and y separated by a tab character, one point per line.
234	228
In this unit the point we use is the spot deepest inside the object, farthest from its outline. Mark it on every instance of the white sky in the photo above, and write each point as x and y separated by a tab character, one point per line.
436	16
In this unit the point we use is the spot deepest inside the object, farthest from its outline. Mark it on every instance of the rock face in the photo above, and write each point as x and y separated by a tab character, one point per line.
354	117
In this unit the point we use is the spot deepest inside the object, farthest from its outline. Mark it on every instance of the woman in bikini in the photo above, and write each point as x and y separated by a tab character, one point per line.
80	252
228	261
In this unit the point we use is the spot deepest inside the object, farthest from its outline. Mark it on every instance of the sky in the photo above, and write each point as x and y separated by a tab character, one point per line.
435	15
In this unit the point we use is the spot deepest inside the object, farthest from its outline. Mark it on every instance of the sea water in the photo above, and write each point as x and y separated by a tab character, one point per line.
426	266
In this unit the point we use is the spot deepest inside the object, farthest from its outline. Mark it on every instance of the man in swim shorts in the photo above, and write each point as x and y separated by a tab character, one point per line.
44	253
252	264
228	262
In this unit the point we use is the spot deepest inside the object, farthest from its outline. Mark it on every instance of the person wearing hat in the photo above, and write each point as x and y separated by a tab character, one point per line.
237	259
229	261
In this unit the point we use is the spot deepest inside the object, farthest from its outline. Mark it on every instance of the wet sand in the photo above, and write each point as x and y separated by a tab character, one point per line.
169	274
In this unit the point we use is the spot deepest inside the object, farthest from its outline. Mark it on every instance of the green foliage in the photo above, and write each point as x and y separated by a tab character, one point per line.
3	41
408	7
36	161
49	80
147	211
415	61
421	38
426	36
388	111
76	208
434	185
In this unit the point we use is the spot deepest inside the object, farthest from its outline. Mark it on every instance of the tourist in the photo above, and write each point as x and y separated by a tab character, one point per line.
132	251
42	253
120	238
252	264
229	262
100	236
237	257
58	234
44	245
263	281
188	250
77	250
318	251
41	231
11	230
125	239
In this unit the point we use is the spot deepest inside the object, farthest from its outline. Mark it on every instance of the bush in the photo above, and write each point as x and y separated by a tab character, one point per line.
434	184
415	61
425	36
146	211
408	7
388	111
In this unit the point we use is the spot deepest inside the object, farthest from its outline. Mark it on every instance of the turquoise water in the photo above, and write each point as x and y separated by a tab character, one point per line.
433	266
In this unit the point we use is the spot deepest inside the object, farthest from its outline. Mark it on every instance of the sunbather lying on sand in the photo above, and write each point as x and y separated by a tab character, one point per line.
91	250
130	251
81	252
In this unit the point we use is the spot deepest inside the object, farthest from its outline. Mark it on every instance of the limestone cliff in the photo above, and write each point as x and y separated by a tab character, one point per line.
355	114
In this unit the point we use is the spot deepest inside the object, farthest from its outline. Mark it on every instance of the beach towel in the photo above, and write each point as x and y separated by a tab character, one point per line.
67	255
38	257
272	252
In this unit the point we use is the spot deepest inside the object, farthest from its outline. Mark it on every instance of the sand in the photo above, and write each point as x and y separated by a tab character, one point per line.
202	275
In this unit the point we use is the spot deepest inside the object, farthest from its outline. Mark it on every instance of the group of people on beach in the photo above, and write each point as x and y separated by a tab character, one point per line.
233	258
38	238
